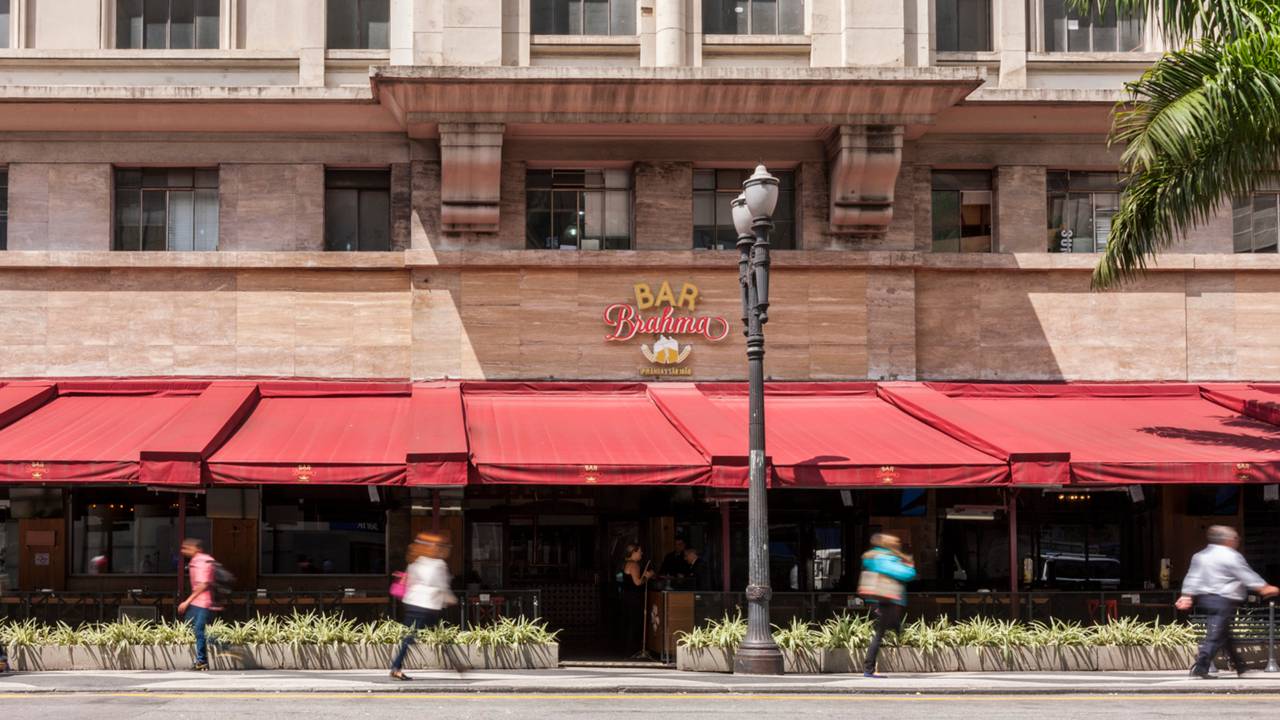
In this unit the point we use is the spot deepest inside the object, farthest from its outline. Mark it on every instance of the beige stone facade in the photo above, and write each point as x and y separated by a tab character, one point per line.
466	100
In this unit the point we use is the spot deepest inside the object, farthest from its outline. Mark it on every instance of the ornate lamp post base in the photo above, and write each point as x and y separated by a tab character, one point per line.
757	660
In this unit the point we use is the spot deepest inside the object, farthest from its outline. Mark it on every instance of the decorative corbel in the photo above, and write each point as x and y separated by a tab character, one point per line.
864	161
470	176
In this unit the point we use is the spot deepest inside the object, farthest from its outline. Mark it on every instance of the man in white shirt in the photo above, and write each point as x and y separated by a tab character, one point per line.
1218	581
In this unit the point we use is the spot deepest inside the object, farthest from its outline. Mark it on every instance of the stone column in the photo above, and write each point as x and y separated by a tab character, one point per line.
670	33
515	32
311	43
917	33
1021	223
472	32
1011	41
874	33
470	176
664	205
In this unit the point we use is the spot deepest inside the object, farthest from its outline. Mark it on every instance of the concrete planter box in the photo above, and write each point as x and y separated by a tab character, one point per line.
285	657
964	659
704	659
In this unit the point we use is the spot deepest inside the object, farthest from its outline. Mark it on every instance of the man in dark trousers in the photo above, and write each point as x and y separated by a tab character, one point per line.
1218	581
199	606
885	572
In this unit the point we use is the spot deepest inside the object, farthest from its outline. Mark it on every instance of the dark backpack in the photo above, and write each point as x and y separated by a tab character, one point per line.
222	580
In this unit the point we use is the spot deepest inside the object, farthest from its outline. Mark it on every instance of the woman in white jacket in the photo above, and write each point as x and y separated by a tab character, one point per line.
427	591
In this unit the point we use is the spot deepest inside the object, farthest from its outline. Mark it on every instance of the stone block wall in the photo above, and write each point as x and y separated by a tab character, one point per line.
663	205
270	207
64	206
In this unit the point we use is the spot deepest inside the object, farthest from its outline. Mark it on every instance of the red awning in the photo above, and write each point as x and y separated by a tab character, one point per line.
329	435
89	431
437	453
825	435
1122	434
1032	459
174	456
573	434
1260	402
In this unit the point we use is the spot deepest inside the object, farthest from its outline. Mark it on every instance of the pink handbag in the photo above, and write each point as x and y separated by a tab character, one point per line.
398	586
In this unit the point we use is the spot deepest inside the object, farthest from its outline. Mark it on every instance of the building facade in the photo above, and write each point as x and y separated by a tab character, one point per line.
414	190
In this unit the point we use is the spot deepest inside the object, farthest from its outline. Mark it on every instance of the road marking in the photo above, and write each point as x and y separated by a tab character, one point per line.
1252	697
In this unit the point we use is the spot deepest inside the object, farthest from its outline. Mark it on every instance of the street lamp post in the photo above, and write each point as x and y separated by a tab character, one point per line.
752	218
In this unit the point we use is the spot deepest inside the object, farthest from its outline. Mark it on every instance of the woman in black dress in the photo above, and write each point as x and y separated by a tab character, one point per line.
634	578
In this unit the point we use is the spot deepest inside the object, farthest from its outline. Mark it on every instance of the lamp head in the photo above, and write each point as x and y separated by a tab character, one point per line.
761	192
741	215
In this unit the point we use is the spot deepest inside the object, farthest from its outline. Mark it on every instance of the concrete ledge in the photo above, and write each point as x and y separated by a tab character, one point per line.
618	259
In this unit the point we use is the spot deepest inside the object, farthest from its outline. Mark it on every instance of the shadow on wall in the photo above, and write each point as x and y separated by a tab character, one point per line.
1027	325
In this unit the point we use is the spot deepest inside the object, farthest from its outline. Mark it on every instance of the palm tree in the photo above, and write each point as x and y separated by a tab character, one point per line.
1201	125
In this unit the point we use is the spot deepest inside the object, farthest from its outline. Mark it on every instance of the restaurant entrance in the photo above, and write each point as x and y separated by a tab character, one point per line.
568	543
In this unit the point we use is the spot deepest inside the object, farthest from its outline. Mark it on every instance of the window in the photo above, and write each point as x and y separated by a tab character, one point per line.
963	25
579	209
1081	205
130	532
337	530
172	24
962	211
358	24
753	17
713	190
357	210
1254	226
4	23
4	208
584	17
166	209
1066	29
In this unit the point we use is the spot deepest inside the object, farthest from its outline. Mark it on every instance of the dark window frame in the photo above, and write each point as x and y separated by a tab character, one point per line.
130	11
948	188
1067	186
1066	39
952	39
363	18
145	183
566	190
718	14
362	182
6	12
1248	209
571	18
721	234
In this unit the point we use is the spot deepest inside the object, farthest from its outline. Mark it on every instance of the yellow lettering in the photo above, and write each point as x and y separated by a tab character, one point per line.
689	293
644	296
665	295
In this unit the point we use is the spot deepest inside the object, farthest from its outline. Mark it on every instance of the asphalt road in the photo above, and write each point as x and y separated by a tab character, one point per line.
317	706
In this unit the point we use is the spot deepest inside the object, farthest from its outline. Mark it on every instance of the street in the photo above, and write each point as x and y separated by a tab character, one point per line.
171	706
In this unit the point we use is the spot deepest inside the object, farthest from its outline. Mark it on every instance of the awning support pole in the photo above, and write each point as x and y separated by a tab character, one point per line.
1012	497
182	535
724	546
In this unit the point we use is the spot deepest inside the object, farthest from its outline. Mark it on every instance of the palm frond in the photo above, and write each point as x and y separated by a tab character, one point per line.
1201	125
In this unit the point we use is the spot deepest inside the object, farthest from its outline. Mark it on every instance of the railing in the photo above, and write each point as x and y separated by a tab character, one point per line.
79	607
1253	624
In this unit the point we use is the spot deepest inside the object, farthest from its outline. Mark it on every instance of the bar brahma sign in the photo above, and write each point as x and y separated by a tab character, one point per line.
669	318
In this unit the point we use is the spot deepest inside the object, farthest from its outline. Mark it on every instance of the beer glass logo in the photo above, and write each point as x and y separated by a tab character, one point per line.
666	351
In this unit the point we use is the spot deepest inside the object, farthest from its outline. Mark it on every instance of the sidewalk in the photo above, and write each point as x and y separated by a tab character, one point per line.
593	680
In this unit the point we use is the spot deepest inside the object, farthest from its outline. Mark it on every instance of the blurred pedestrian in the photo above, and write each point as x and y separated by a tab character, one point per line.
199	606
1218	581
885	572
427	591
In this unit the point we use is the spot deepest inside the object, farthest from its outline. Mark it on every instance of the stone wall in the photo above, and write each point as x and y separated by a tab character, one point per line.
63	206
663	205
270	207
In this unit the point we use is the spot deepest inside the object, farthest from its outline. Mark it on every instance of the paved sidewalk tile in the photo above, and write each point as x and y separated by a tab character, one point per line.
629	680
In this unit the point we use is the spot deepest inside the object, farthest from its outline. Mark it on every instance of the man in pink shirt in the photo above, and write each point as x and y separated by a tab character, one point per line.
199	607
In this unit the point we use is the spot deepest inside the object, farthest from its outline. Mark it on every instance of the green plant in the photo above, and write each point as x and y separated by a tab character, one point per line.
846	632
726	633
799	635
